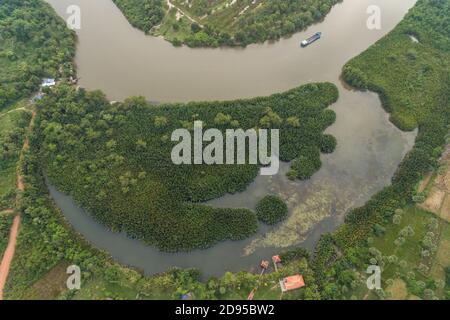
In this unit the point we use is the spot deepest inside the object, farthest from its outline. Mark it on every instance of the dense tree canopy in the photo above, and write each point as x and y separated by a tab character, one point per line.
143	14
410	76
116	159
34	43
271	209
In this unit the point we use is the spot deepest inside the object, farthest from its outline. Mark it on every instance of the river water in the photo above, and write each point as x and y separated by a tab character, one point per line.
122	61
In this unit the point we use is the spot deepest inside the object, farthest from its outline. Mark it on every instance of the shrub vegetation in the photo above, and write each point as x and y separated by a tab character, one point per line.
271	209
5	226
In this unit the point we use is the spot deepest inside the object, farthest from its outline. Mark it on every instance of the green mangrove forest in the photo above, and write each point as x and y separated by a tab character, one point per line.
115	159
103	153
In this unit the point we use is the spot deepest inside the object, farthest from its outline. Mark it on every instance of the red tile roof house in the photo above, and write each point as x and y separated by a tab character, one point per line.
292	283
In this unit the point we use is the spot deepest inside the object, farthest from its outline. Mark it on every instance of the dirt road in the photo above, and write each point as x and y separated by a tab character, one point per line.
11	248
171	5
9	254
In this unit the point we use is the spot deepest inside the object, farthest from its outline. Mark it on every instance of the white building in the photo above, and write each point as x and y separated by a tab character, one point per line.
48	83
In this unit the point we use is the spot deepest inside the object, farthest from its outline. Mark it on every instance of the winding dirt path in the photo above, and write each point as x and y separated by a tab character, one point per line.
11	248
9	254
171	5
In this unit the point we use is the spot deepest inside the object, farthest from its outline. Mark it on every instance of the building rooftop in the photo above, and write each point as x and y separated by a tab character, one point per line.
292	283
48	82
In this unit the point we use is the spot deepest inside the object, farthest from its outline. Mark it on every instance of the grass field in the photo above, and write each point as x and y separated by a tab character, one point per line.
442	259
50	286
410	250
435	189
411	269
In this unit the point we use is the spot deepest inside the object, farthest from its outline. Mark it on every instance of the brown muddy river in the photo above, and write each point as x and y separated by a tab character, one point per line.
122	61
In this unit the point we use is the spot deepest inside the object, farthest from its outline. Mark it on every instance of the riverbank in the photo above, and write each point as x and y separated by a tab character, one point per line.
383	68
363	163
223	22
122	61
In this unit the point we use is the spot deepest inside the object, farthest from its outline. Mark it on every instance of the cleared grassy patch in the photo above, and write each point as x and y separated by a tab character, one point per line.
412	267
410	250
50	286
437	190
398	290
442	259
